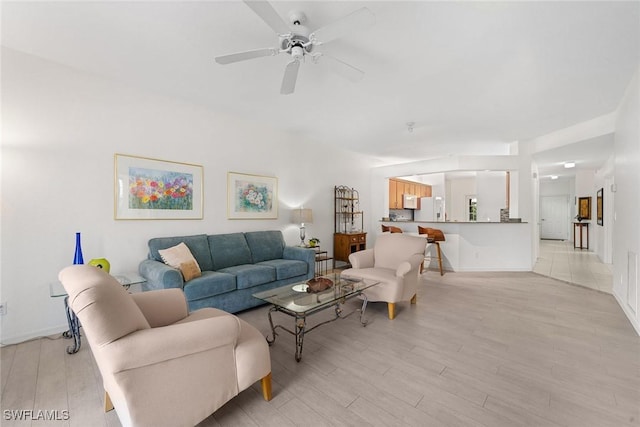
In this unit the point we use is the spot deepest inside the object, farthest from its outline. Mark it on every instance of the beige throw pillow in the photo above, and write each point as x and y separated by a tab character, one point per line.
180	257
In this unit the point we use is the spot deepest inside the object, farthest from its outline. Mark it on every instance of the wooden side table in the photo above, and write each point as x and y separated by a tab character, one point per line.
322	261
344	244
580	226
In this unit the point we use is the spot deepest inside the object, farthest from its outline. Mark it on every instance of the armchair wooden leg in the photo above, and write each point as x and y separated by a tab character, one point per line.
266	387
414	298
108	406
391	307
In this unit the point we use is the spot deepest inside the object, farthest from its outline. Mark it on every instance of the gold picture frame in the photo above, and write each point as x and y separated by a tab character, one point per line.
599	207
584	207
147	188
251	196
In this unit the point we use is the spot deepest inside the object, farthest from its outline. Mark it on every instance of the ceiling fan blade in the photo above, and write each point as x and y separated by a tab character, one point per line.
290	77
359	19
264	10
243	56
345	70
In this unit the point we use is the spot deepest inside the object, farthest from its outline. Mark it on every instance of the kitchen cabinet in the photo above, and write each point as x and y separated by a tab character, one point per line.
398	187
393	190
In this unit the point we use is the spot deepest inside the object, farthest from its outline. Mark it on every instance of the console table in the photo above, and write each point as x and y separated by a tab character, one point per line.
580	242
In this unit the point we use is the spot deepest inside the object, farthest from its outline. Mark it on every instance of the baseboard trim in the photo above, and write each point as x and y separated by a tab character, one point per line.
17	339
627	312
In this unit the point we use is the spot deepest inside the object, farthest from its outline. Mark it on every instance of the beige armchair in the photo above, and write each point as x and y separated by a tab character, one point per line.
394	261
160	365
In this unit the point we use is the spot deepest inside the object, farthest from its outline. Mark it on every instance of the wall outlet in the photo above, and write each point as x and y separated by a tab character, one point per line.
3	308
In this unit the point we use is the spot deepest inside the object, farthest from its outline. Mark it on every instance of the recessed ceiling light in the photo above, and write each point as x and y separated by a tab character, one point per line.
569	165
554	176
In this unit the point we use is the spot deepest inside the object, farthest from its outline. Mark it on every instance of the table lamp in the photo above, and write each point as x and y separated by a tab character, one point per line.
302	216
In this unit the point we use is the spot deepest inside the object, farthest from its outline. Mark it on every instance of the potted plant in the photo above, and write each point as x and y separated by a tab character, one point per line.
314	241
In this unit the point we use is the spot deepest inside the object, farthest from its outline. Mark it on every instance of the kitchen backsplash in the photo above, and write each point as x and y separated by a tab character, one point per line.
401	214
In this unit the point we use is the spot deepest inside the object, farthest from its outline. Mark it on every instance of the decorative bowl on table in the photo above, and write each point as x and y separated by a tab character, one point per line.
319	284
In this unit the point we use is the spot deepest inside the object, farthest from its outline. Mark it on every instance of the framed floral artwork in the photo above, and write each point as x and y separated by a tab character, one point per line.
251	196
148	188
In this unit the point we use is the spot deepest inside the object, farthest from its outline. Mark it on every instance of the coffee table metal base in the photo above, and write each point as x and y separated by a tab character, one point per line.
301	322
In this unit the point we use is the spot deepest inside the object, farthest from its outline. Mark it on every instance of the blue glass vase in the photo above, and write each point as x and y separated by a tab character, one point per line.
77	258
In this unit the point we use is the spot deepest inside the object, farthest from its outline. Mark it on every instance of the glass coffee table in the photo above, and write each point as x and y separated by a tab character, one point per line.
297	301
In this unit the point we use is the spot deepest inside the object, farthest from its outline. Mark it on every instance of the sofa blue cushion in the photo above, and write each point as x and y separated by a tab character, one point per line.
211	283
198	245
249	275
228	250
287	268
265	245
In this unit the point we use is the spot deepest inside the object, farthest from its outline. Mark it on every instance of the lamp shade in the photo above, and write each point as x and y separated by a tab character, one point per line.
302	216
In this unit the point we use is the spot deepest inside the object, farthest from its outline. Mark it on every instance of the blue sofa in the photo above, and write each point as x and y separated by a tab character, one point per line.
234	266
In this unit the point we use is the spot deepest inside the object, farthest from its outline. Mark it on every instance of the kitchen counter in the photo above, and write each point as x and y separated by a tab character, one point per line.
479	246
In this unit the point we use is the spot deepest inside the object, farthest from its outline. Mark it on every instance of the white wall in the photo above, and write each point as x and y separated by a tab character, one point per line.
491	188
457	192
61	129
626	239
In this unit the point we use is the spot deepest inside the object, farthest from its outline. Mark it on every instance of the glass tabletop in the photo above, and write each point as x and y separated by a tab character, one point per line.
296	298
57	290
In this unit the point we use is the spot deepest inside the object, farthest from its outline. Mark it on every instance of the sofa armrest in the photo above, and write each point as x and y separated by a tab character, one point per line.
362	259
302	254
162	307
149	346
159	275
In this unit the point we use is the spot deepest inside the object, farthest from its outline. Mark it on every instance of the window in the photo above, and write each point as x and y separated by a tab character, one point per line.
472	208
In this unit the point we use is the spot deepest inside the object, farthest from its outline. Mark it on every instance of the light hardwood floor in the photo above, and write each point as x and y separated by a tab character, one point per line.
478	349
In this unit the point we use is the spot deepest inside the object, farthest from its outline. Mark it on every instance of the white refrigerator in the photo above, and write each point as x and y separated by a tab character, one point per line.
431	209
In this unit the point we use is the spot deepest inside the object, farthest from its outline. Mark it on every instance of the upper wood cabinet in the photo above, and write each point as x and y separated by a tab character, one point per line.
398	187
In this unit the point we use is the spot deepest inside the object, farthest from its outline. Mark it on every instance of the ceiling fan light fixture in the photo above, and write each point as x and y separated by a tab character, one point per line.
297	41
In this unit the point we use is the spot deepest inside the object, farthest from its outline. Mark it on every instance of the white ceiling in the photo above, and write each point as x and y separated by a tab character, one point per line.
473	76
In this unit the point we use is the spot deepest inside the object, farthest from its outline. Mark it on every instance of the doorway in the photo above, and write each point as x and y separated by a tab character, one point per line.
554	213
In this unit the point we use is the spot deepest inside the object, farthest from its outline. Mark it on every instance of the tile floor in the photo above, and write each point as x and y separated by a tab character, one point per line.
559	259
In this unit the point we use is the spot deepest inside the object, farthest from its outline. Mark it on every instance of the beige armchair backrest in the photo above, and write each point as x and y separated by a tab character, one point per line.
391	250
101	301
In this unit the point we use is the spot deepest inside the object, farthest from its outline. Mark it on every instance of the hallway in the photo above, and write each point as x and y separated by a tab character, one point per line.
558	259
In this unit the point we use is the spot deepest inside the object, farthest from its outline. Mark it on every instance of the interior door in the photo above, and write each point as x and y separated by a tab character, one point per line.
554	217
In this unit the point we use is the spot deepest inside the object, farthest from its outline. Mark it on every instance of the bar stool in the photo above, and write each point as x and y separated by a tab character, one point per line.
434	236
391	229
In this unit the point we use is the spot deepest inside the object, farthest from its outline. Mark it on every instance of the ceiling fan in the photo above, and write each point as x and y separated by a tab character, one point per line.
299	43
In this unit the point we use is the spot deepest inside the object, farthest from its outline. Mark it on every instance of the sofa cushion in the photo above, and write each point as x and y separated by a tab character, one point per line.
250	275
198	245
287	268
228	250
211	283
265	245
